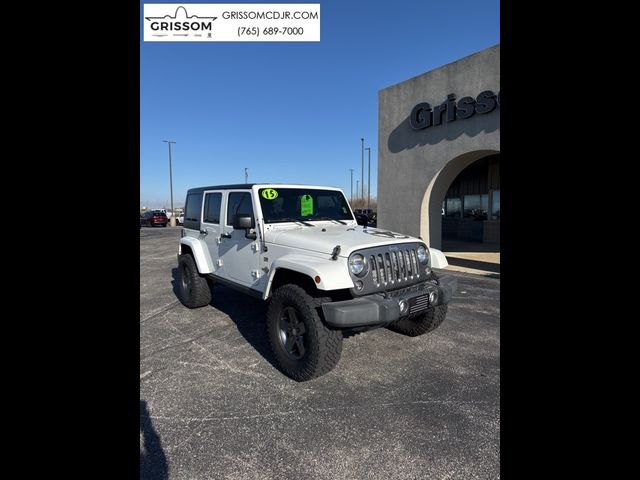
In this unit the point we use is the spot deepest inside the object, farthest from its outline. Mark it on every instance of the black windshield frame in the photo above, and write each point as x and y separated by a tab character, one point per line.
286	205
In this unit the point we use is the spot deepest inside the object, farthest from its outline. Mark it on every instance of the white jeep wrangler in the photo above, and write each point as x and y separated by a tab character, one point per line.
300	248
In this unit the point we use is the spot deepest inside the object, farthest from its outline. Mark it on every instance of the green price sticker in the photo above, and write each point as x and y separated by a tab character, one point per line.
269	194
306	206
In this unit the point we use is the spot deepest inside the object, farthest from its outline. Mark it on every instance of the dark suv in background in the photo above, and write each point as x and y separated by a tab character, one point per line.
365	216
153	218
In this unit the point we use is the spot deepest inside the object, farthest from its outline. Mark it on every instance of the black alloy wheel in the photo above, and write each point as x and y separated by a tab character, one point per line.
291	333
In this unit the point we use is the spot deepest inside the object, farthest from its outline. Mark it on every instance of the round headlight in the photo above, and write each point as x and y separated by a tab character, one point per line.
356	264
422	254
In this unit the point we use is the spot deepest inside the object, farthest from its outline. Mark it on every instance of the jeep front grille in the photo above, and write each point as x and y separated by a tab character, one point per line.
394	267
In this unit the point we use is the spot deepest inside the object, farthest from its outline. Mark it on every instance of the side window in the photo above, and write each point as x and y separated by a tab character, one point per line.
239	204
192	211
212	203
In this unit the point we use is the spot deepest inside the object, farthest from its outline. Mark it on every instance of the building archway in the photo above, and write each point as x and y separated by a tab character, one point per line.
431	212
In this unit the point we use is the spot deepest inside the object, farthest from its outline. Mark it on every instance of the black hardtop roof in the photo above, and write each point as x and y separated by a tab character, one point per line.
240	186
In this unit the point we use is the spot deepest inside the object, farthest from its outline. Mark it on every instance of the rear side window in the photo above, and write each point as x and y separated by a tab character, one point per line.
212	203
239	204
192	211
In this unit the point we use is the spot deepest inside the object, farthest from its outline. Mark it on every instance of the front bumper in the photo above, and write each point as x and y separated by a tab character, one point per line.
381	309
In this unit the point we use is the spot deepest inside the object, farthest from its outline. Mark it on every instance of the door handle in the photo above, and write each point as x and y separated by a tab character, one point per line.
225	235
203	231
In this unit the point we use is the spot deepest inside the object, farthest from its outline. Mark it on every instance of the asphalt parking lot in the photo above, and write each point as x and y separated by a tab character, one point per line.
212	405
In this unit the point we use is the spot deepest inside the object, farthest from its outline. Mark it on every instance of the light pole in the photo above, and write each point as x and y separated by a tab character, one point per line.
351	170
246	175
362	173
369	180
173	216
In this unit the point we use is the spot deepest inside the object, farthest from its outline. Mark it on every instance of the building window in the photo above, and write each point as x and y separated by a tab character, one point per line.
453	207
476	206
495	205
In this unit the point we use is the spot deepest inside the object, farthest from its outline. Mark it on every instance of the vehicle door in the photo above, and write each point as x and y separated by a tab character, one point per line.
240	255
210	227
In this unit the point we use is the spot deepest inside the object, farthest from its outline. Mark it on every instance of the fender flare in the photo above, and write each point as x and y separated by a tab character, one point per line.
333	273
200	254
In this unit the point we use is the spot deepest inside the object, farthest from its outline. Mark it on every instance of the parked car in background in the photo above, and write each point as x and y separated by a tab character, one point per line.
362	219
368	212
365	216
153	218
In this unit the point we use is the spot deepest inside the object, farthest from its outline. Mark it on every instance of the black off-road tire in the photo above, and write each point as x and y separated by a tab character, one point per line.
193	287
426	322
322	345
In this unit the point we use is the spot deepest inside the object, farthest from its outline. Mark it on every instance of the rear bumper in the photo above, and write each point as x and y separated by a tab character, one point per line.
383	309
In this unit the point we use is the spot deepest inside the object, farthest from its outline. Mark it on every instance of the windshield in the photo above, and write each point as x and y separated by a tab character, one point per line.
302	204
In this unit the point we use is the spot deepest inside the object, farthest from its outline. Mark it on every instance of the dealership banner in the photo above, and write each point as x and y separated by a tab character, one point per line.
231	22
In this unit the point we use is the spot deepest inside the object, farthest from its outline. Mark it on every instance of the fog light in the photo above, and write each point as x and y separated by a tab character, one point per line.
404	306
433	298
428	270
359	285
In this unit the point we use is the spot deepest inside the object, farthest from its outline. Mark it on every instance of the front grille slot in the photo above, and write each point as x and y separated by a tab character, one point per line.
402	269
395	266
407	264
414	263
374	269
387	267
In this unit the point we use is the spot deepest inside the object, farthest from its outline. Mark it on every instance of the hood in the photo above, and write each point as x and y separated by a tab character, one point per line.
323	238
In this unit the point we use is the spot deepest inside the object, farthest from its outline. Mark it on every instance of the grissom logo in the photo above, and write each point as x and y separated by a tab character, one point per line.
181	22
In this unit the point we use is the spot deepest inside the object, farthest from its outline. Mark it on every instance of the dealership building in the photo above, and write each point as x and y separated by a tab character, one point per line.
439	153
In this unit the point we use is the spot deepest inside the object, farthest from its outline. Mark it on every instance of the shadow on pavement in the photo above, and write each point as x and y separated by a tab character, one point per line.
153	461
246	312
475	264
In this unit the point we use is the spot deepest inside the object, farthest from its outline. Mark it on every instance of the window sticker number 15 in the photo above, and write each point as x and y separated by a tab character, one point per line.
269	194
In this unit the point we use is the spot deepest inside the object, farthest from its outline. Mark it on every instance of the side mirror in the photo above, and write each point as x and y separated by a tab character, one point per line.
243	222
247	223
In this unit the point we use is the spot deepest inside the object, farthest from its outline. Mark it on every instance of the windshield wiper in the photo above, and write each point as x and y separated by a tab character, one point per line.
329	218
287	219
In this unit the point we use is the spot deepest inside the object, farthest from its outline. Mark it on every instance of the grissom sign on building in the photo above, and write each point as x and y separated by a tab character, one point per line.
423	116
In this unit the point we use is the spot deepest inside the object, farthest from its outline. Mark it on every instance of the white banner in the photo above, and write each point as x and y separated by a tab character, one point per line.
231	22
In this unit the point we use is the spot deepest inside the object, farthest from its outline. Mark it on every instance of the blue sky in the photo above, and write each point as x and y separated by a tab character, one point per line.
292	112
